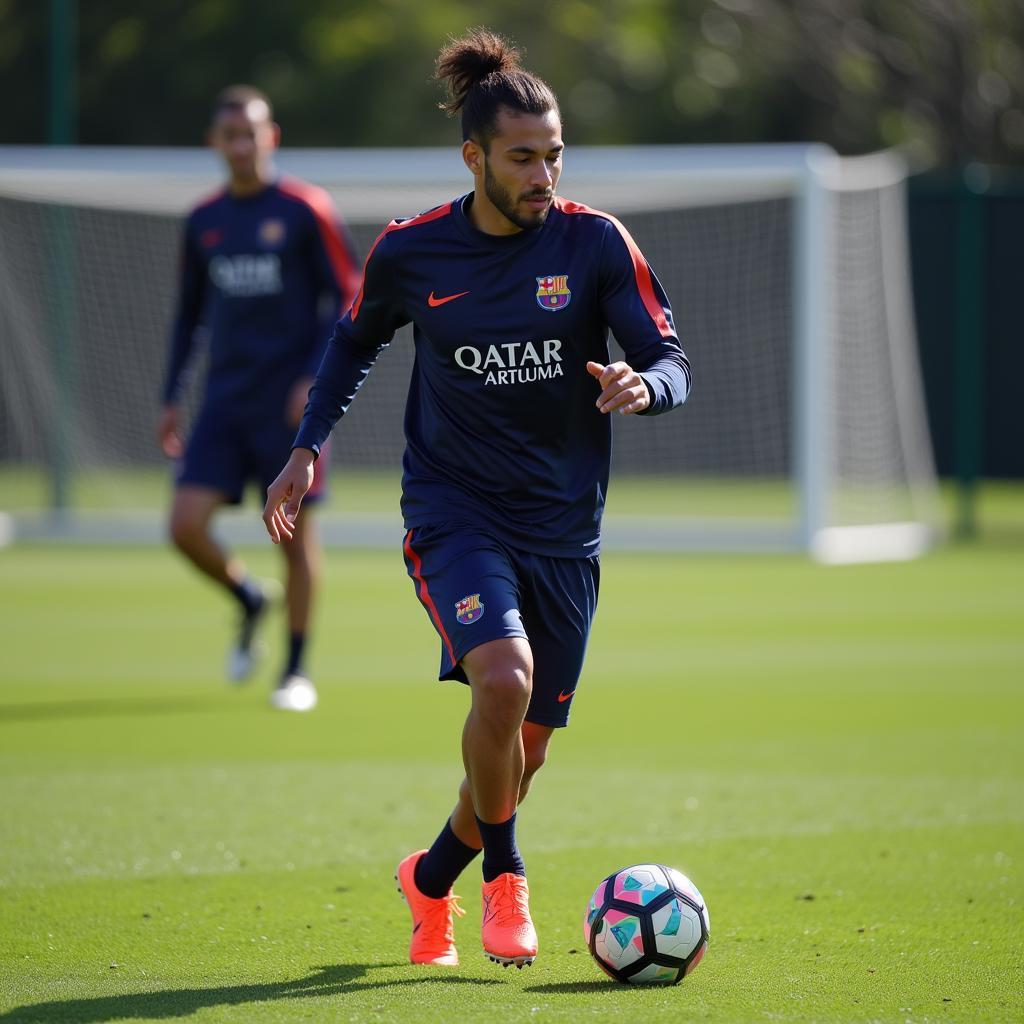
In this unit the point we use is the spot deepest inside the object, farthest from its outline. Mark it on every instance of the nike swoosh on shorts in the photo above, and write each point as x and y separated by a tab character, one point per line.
434	303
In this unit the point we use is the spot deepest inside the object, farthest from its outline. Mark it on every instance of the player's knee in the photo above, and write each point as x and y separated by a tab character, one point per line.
503	690
533	764
535	759
535	753
183	529
530	768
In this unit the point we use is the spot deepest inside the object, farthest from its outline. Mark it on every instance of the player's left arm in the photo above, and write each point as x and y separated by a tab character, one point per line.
191	298
655	375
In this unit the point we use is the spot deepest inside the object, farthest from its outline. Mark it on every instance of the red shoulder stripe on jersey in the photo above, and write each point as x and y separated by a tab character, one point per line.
424	593
640	267
319	202
396	225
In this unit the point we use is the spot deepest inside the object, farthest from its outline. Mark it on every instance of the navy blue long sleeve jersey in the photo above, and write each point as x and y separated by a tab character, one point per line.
267	274
501	422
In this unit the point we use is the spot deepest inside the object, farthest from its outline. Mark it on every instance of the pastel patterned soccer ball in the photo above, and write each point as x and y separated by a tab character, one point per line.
647	924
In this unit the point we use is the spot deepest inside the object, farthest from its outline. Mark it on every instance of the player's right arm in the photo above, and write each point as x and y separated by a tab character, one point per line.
285	494
359	336
191	295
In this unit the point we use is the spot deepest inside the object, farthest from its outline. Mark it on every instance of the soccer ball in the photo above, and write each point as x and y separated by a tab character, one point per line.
647	924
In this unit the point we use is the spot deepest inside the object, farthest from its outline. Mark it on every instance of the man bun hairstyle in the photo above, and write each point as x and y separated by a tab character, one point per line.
482	74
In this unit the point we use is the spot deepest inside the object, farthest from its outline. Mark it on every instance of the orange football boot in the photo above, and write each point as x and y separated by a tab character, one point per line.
506	929
433	934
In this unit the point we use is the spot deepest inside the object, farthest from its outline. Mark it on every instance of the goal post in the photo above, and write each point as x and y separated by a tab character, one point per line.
812	313
788	271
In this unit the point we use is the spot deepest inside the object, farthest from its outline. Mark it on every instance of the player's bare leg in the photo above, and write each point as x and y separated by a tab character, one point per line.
304	564
536	739
192	512
500	675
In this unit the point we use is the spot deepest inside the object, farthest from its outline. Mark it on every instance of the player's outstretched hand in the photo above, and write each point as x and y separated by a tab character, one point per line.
168	432
622	389
285	494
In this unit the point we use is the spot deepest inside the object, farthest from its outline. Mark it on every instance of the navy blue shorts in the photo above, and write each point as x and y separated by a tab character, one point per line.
477	589
224	454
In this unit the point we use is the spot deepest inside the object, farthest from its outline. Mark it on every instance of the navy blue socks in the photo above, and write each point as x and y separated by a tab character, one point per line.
438	868
249	595
501	854
296	645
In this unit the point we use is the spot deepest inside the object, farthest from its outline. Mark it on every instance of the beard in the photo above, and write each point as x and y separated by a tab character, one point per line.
506	205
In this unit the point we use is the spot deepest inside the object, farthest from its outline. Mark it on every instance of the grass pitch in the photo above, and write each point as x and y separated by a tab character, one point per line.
835	756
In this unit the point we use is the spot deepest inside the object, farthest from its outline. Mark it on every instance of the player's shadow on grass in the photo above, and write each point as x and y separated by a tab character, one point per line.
110	707
333	980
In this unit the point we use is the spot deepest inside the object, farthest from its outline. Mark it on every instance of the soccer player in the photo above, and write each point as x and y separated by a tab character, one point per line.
266	266
511	291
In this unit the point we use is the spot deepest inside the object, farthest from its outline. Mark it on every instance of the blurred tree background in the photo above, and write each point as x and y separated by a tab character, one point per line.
942	78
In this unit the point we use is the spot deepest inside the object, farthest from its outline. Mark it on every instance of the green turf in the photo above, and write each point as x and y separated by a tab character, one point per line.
998	505
372	491
836	756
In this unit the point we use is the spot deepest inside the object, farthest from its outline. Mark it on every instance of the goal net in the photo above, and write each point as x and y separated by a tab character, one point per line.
787	269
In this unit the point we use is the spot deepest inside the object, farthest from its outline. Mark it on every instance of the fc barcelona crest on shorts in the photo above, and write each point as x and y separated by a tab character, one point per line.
469	609
553	292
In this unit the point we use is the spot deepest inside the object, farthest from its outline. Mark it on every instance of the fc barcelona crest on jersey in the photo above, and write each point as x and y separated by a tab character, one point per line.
469	609
272	232
553	292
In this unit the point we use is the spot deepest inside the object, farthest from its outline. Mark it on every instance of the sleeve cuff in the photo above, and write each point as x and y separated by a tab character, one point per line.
652	394
314	448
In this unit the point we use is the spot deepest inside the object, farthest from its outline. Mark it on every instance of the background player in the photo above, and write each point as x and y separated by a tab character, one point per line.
511	292
266	267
